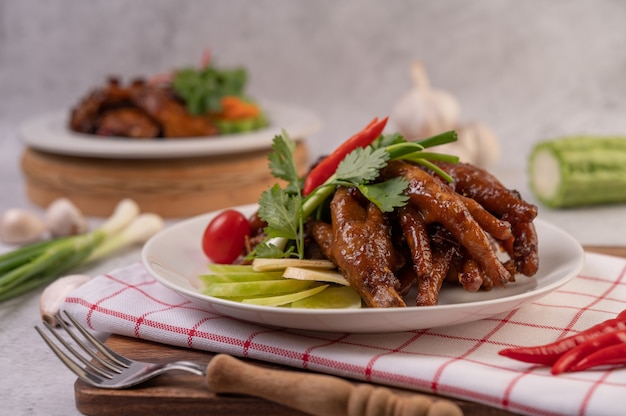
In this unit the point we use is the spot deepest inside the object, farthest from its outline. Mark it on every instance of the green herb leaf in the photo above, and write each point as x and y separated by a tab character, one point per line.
386	195
362	165
266	250
282	163
281	211
203	89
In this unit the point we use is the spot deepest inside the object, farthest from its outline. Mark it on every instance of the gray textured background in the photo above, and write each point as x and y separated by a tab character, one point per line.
530	69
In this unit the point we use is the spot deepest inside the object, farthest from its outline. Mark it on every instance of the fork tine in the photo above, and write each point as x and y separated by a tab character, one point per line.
104	350
69	363
85	348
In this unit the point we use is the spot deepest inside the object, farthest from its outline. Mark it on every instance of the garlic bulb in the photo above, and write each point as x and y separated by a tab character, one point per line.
424	111
55	293
64	218
477	144
18	226
482	140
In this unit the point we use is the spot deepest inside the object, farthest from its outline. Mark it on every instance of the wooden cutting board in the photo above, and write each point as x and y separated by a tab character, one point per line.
186	394
179	393
170	187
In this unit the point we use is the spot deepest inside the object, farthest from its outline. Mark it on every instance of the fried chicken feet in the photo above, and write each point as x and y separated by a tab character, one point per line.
438	203
361	247
482	187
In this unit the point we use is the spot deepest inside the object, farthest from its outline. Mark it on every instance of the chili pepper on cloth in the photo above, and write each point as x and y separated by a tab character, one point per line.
608	356
567	353
325	169
574	357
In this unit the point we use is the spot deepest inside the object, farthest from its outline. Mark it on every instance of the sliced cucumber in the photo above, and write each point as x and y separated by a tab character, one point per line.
280	300
251	276
577	171
281	282
257	288
342	297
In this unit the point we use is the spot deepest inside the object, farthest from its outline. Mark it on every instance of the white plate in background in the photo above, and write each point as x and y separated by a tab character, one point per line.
51	133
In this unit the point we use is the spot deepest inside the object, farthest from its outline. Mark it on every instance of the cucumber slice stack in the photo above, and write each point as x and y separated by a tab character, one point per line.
291	283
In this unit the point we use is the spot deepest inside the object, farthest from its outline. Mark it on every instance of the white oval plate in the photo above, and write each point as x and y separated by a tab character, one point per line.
51	133
175	259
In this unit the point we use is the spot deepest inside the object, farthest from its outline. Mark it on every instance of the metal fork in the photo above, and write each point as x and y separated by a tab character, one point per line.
109	370
315	394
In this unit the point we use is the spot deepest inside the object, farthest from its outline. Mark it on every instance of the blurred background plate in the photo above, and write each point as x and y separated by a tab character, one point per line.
50	133
174	178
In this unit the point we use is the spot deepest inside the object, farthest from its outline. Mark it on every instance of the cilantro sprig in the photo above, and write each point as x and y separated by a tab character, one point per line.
285	210
281	208
361	167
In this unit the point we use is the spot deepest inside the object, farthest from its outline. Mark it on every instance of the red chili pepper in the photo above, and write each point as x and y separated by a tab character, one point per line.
576	355
548	354
325	169
609	356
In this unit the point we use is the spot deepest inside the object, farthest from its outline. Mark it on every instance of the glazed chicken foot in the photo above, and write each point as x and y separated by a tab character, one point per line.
360	245
438	203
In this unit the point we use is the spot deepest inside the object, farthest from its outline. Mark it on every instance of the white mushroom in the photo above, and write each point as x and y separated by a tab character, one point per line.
64	218
18	226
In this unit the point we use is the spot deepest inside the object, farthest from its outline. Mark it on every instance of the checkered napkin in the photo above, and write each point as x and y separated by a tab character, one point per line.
459	361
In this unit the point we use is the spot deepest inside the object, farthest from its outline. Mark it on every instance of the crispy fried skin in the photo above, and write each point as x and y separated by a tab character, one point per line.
429	286
524	248
479	185
417	238
171	114
472	277
85	117
362	249
493	226
439	204
127	122
323	234
149	103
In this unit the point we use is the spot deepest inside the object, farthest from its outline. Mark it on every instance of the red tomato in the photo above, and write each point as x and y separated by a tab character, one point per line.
225	236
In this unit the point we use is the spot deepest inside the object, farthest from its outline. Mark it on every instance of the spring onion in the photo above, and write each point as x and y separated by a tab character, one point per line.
37	264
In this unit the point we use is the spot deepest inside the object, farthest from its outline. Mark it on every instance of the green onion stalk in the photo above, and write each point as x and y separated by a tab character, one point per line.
37	264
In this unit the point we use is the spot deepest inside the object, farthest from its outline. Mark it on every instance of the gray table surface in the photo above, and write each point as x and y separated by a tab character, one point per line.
531	70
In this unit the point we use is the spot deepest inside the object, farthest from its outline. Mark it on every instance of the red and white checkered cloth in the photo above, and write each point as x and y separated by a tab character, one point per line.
460	361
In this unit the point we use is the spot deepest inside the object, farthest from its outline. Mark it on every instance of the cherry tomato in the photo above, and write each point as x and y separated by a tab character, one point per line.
225	236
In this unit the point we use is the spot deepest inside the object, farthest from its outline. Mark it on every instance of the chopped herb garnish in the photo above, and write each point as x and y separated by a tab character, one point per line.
202	89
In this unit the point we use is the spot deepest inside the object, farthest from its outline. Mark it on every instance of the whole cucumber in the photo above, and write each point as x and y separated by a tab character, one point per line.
580	170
